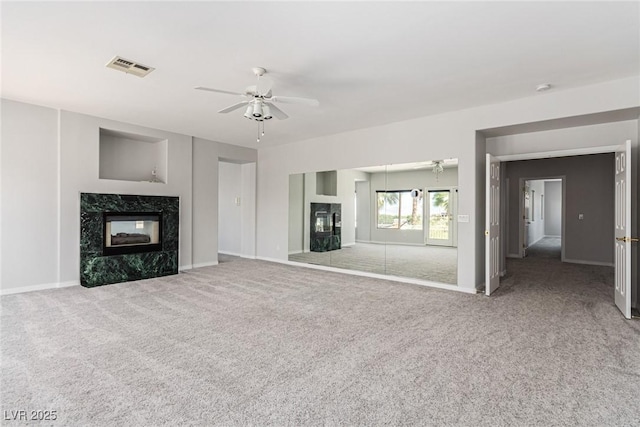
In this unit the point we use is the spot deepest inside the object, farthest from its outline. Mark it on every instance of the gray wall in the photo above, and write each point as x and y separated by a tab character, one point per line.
589	188
553	208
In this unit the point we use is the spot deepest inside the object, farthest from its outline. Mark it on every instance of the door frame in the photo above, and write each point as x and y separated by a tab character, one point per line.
521	220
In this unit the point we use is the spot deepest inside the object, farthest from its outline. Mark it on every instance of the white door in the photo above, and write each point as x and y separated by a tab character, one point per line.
492	230
623	230
440	205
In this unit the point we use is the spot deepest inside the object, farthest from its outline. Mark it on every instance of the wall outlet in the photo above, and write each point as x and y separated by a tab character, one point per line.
580	216
237	201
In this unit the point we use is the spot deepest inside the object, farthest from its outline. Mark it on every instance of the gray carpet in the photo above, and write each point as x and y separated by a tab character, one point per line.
255	343
547	247
435	263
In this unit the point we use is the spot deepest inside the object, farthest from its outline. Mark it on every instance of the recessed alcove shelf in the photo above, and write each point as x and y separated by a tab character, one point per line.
131	157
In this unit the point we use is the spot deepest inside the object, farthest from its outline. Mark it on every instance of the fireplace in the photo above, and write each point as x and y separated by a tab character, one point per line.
131	232
325	227
126	237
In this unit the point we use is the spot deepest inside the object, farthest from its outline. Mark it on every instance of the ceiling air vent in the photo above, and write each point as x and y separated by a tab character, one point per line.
129	67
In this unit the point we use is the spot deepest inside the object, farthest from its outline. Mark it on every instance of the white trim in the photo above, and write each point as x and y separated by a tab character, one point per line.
558	153
229	253
375	276
236	254
41	287
579	261
185	267
204	264
553	236
514	256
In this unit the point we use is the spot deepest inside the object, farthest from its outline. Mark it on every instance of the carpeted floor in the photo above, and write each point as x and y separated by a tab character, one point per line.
256	343
434	263
547	247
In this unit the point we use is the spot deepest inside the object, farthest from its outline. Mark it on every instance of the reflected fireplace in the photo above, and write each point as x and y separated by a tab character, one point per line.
132	232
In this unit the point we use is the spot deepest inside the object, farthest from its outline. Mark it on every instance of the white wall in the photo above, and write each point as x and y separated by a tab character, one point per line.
363	230
206	157
296	213
133	160
536	223
28	196
49	157
553	208
229	213
248	208
449	135
79	164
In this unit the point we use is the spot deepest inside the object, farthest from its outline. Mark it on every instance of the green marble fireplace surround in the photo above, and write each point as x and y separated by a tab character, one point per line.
98	269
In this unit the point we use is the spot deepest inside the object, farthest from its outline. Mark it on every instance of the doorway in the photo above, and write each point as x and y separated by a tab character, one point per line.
441	206
542	217
236	210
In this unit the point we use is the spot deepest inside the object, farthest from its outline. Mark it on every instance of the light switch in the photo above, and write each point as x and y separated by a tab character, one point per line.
463	218
580	216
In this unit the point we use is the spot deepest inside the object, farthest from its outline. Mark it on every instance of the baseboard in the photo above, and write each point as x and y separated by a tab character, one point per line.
579	261
41	287
375	276
204	264
556	237
229	253
236	254
185	267
295	252
513	256
503	273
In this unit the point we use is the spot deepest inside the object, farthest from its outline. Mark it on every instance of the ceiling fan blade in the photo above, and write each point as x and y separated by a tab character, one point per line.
294	100
219	91
234	107
277	113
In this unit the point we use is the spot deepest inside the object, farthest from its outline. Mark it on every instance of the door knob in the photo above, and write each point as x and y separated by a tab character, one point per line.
627	239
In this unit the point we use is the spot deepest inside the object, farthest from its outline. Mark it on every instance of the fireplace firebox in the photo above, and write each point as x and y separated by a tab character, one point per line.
131	232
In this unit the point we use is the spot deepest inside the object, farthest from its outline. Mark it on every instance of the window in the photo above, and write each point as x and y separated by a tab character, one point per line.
397	209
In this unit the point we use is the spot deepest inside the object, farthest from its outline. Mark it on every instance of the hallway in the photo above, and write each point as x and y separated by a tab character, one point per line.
547	247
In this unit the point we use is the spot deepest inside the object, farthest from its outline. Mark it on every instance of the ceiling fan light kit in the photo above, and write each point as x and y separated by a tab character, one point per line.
260	105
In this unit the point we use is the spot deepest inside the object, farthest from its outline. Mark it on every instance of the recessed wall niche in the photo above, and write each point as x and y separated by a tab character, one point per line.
131	157
327	183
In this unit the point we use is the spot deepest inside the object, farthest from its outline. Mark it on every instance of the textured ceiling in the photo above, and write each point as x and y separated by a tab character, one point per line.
368	63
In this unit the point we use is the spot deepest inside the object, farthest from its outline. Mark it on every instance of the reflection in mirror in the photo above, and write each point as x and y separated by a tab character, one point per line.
393	219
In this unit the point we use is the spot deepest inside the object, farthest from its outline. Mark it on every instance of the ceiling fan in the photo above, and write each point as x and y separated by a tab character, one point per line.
260	100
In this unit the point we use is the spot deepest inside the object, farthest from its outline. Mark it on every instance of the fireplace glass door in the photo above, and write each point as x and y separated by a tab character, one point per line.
126	233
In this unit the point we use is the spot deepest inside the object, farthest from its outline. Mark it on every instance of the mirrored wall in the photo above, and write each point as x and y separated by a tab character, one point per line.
394	219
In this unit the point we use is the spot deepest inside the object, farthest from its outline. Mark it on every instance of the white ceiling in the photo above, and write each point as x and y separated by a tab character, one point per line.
368	63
